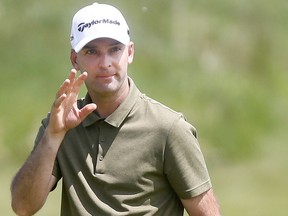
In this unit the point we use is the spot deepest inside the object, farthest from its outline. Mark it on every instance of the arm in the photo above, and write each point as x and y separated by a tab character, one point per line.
204	204
34	180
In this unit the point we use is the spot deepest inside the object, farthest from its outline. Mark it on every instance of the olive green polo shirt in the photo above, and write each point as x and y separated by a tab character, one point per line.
138	161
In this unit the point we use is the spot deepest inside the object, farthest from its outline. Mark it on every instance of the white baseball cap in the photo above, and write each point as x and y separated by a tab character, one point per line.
98	21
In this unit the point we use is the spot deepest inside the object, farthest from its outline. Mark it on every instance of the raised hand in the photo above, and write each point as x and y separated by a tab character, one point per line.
64	112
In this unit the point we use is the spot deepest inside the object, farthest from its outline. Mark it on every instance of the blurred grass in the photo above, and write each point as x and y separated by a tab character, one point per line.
223	64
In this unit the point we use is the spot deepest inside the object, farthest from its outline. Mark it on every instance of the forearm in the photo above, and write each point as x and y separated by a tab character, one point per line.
34	180
32	183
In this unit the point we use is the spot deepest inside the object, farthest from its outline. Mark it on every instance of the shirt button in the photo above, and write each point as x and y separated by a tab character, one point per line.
101	158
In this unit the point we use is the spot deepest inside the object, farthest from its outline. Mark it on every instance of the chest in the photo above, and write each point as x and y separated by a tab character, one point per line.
130	153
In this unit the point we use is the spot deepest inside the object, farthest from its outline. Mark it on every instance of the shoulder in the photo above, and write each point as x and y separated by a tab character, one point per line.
157	109
167	115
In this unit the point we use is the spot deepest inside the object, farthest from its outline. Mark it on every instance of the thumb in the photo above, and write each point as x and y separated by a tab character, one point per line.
86	110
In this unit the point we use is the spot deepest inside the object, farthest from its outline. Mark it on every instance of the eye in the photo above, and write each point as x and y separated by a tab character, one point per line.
116	49
91	52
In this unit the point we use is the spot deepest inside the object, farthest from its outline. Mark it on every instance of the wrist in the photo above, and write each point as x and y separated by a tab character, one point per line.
53	139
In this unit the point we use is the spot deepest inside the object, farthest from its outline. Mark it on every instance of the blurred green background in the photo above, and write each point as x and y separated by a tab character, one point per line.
222	63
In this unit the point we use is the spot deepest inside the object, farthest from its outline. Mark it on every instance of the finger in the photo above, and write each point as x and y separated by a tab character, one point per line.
66	86
73	89
72	77
81	77
63	88
73	73
78	84
58	101
86	110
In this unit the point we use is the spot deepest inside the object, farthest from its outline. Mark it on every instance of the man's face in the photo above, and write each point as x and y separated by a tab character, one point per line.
106	62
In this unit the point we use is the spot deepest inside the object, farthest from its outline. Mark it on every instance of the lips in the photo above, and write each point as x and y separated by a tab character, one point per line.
105	78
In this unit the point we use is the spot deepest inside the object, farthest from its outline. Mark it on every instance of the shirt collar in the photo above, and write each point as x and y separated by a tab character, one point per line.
118	116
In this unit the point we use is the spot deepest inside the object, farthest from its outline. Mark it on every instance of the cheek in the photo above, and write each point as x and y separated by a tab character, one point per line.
125	60
121	65
85	65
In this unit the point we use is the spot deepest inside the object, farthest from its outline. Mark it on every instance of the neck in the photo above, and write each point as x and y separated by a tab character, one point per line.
107	104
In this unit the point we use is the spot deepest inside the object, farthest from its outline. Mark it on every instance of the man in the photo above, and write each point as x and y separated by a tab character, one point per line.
117	151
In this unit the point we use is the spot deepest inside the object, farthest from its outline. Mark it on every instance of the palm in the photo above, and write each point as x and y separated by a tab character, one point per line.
65	113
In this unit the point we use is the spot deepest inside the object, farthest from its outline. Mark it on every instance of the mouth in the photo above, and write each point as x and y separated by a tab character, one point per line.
106	77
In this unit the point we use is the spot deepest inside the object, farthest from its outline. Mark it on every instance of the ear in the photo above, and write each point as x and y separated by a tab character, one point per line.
130	52
73	59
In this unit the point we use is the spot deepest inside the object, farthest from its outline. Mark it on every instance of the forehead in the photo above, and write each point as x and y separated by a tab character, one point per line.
102	42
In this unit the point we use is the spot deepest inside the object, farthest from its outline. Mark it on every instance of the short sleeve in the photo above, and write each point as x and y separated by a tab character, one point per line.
184	163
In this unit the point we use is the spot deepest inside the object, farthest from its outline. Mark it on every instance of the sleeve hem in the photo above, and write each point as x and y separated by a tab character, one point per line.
193	192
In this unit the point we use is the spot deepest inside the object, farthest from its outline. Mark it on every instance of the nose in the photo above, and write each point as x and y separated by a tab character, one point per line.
104	61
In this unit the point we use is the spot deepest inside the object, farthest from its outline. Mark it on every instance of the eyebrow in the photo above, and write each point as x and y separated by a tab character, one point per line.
114	43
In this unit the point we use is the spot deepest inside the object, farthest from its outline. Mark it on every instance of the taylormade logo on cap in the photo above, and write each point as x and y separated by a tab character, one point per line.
98	21
82	26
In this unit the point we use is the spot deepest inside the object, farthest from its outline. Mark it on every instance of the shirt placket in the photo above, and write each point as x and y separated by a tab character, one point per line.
99	167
